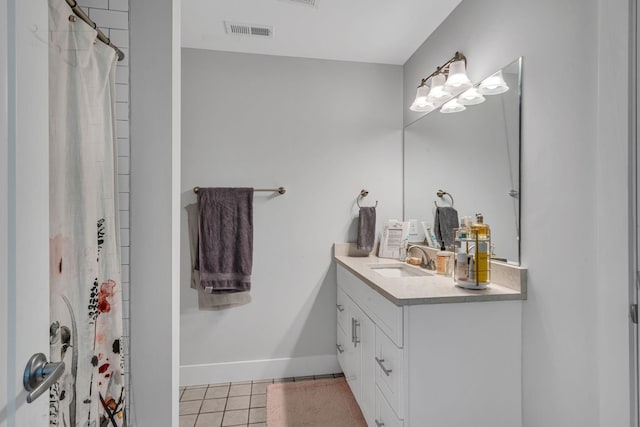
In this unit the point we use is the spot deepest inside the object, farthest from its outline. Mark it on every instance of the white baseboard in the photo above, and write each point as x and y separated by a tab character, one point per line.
213	373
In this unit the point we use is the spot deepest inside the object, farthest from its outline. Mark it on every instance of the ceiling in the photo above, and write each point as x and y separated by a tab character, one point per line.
377	31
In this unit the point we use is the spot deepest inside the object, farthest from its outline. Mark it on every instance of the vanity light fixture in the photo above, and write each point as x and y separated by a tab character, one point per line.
448	80
471	96
493	85
452	106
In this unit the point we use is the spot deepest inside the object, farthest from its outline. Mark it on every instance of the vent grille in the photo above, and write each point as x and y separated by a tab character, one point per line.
312	3
239	29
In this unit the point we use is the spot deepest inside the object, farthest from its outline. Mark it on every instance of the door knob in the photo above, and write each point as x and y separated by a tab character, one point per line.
39	375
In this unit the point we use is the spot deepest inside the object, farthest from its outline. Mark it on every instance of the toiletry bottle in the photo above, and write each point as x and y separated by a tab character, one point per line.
482	250
480	227
461	272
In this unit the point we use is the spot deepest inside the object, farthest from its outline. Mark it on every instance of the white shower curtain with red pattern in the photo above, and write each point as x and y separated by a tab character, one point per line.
86	290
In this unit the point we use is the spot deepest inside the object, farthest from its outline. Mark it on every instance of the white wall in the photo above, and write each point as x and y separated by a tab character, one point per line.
615	226
573	236
155	177
324	130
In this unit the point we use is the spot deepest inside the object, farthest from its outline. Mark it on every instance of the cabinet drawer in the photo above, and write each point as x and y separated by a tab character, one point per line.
341	310
389	371
385	417
385	314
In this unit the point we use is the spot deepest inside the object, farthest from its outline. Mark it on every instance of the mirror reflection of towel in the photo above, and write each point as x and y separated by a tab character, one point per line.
445	221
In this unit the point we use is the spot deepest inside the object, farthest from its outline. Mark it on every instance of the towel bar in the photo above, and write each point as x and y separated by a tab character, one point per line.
441	194
280	190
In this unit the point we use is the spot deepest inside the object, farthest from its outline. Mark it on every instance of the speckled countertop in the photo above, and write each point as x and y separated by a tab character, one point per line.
430	289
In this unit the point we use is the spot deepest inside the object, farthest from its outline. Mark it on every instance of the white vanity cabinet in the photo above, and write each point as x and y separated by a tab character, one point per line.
429	364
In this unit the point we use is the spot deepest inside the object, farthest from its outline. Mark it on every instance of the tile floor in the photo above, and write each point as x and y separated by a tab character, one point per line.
230	404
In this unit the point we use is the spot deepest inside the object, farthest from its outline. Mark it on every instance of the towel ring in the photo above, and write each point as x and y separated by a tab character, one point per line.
441	194
362	195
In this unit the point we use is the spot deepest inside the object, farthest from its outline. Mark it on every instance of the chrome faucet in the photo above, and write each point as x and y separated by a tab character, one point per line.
425	260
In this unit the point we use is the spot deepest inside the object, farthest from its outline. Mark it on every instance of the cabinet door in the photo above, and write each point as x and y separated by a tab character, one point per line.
342	342
352	354
365	340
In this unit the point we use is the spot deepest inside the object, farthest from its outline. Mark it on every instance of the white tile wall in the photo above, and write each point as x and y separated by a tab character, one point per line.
112	17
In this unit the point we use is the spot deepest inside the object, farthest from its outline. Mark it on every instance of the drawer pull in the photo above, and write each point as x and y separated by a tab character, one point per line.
385	370
379	423
356	340
340	307
340	349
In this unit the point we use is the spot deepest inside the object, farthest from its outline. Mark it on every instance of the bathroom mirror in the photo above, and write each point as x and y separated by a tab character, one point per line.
474	155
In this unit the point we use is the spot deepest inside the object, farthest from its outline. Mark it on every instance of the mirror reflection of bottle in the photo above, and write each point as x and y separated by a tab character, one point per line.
471	275
461	266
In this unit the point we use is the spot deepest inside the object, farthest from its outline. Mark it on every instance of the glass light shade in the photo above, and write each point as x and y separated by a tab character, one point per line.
457	80
438	92
422	108
421	95
471	97
493	85
452	106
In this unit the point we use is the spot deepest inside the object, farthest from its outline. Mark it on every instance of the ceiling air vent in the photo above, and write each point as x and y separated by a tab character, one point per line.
254	30
313	3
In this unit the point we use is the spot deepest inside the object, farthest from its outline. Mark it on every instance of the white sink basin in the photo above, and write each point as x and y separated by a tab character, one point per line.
399	270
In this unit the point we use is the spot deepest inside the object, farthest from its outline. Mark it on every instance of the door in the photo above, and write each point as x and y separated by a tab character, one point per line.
24	205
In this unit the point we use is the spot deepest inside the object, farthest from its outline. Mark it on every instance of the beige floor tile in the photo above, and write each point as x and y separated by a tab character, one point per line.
240	390
259	388
213	419
188	420
198	386
193	394
258	425
213	405
238	402
241	382
257	415
218	384
234	418
190	407
217	392
258	401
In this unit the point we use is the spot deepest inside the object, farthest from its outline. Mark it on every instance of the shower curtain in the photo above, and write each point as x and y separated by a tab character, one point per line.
85	286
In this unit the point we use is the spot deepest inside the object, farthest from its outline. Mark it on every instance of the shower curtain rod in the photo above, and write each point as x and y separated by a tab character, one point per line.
80	13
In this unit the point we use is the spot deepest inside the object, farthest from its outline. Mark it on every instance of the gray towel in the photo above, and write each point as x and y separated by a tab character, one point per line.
366	228
206	301
445	221
226	239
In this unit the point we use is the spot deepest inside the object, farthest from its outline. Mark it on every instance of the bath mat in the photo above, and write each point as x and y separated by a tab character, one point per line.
318	403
